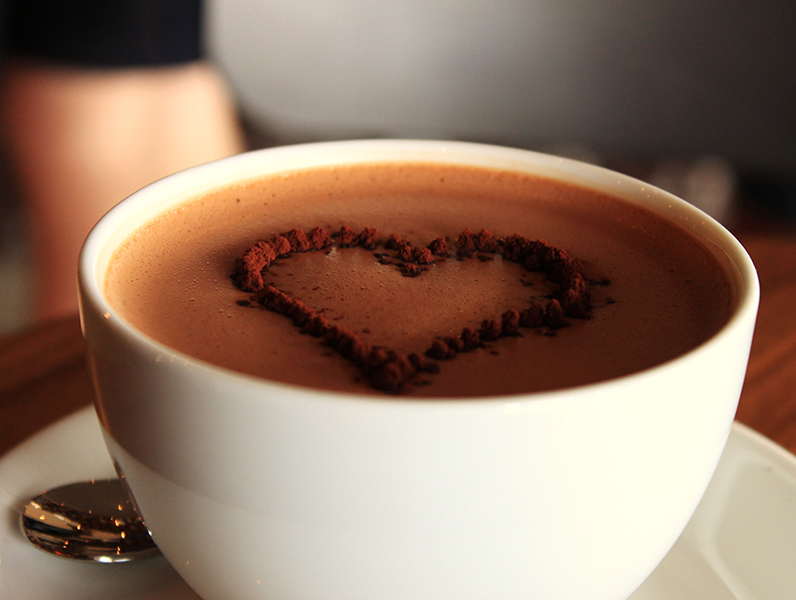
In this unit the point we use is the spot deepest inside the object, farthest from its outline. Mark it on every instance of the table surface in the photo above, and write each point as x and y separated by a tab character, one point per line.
43	376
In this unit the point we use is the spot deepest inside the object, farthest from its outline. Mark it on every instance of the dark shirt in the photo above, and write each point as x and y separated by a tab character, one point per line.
103	33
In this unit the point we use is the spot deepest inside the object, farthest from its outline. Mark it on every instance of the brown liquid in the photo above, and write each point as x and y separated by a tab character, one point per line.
667	294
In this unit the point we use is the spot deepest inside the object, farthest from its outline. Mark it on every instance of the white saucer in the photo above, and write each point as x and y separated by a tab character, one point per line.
740	544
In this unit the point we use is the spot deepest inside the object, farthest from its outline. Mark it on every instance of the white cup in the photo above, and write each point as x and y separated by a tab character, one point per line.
254	489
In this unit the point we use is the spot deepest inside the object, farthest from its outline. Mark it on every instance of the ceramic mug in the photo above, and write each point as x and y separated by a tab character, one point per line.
256	489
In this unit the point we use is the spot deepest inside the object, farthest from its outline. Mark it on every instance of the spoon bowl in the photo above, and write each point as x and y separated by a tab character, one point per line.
88	521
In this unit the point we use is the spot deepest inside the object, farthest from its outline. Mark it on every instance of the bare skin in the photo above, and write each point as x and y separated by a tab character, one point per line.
80	140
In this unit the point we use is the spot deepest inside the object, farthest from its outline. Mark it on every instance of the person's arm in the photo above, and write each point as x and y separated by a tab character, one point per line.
80	140
101	99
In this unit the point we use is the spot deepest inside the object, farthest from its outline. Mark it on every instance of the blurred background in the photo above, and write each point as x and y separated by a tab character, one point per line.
695	96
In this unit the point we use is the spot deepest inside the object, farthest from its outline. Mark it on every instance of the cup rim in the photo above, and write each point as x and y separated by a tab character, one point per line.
179	187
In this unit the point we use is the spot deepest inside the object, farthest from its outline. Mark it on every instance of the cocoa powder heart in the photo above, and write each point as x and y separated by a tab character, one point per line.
390	370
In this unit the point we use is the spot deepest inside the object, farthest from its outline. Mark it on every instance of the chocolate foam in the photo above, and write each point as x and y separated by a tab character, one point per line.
170	279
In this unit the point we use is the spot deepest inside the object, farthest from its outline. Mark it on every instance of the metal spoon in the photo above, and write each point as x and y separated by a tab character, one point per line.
91	521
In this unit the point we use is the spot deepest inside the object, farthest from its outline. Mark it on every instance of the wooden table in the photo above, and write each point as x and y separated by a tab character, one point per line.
43	375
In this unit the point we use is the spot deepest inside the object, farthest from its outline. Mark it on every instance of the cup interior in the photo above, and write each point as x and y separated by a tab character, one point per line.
142	206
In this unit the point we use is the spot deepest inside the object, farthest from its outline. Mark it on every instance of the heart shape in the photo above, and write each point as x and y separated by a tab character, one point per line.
390	370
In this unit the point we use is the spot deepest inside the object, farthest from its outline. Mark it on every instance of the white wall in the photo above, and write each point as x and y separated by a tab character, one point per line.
702	76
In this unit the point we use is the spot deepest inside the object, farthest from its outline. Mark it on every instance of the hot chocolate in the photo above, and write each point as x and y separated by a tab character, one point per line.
654	291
